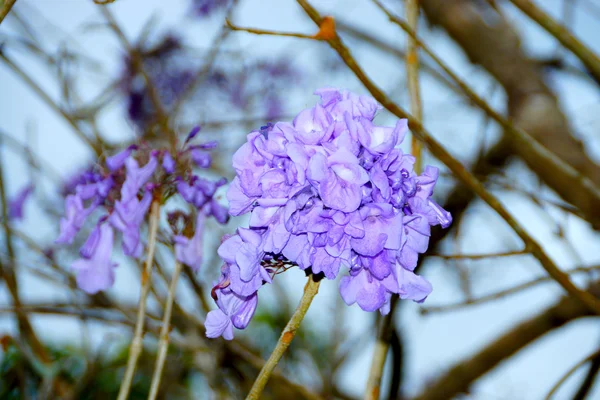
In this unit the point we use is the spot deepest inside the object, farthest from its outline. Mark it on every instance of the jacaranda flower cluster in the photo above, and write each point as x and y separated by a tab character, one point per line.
123	191
330	190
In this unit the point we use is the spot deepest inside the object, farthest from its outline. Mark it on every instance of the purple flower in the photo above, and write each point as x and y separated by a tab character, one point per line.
136	177
168	163
234	311
330	191
15	205
127	218
118	160
75	215
189	250
201	158
96	271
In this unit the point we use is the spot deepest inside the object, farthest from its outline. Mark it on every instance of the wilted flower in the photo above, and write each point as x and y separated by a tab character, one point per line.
328	191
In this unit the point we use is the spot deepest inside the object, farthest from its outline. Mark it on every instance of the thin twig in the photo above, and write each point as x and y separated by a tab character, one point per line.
456	167
162	118
563	35
136	343
459	378
412	76
570	372
211	57
389	49
6	6
51	103
588	382
163	345
7	272
480	256
310	290
501	293
267	32
520	136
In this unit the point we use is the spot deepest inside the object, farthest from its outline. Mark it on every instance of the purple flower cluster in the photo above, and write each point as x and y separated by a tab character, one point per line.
124	190
328	190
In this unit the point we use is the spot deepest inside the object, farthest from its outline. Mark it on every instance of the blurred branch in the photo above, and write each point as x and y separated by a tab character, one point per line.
310	291
5	8
265	32
589	379
51	103
594	357
533	148
479	256
163	345
503	293
7	271
162	118
456	167
459	378
412	76
563	35
387	48
136	343
210	60
384	335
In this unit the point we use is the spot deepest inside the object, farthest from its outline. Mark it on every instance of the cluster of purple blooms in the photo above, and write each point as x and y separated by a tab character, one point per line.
124	191
328	190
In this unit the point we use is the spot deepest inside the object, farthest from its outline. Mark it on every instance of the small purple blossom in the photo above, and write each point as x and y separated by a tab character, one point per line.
189	250
168	163
125	191
96	271
115	162
330	191
17	203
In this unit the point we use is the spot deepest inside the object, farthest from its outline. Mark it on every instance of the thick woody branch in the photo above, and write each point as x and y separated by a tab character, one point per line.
459	378
531	105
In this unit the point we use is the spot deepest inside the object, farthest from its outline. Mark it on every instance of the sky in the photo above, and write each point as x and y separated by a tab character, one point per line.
433	342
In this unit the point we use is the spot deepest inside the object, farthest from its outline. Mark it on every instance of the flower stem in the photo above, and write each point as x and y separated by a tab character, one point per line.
310	291
136	344
164	334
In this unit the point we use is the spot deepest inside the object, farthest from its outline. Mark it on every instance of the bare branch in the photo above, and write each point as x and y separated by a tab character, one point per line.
459	378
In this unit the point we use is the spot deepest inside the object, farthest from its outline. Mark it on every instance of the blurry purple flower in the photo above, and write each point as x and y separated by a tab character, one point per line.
96	272
118	160
204	8
75	215
201	158
189	250
16	204
168	163
127	218
193	133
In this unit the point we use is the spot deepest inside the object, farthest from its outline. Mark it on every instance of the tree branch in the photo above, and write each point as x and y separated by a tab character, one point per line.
459	378
531	105
455	166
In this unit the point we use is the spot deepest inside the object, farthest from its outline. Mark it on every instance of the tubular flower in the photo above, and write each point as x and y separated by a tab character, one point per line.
125	189
330	191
